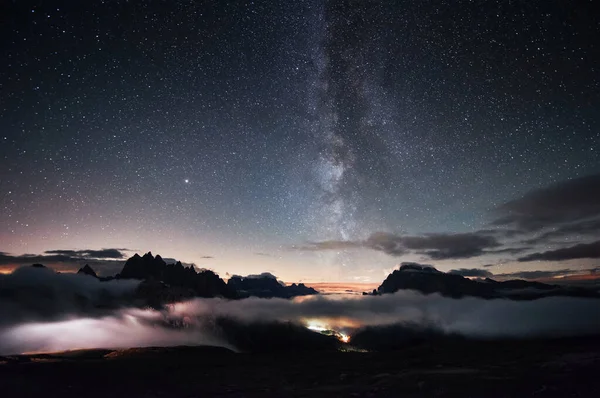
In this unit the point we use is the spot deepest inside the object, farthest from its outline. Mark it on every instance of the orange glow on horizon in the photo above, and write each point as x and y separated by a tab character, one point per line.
343	287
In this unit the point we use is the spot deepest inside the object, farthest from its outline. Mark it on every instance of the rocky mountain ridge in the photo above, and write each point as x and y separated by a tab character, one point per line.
428	280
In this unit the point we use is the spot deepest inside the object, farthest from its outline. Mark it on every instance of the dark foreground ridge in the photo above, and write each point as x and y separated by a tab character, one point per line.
545	368
428	280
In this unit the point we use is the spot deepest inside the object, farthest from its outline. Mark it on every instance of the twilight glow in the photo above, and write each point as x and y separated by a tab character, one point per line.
287	138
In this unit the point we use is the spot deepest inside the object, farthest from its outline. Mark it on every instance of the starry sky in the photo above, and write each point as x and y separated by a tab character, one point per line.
317	140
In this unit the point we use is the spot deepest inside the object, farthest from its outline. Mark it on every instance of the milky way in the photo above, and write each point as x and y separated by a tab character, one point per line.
231	134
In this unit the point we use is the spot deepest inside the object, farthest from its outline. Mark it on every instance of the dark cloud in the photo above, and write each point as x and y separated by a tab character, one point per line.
578	229
538	274
563	202
386	242
508	250
471	272
500	232
570	209
566	209
207	257
416	266
62	256
90	253
582	250
329	245
9	259
62	262
436	246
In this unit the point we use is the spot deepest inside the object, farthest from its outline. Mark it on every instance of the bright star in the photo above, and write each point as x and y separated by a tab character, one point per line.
186	181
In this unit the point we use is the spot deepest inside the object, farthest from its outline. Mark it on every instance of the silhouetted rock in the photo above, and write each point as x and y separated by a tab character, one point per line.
300	289
133	268
428	280
87	270
267	286
180	280
156	293
38	266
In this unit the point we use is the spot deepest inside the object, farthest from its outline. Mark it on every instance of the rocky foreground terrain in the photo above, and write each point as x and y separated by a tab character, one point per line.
550	368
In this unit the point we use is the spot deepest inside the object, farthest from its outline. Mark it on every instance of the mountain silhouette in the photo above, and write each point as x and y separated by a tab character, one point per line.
87	270
174	279
267	286
170	282
428	280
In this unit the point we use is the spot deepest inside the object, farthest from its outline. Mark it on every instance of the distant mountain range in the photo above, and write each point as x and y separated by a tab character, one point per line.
164	282
428	280
266	285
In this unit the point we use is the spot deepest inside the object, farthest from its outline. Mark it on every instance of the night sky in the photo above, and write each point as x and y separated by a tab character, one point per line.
316	140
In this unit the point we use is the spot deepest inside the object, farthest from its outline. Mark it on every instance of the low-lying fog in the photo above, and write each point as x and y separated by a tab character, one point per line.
31	323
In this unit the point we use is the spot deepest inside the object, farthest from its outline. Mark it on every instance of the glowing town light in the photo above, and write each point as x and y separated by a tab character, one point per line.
316	327
344	338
